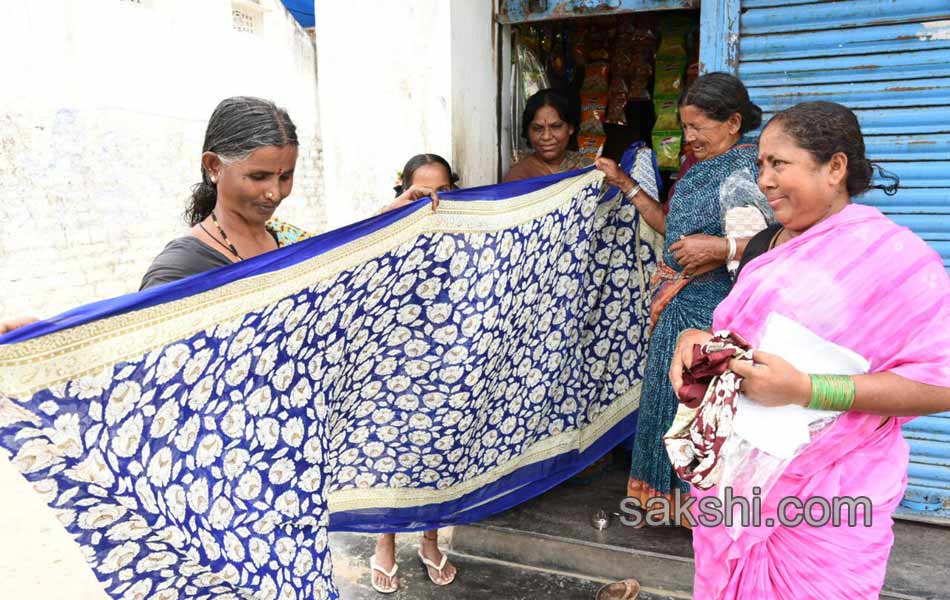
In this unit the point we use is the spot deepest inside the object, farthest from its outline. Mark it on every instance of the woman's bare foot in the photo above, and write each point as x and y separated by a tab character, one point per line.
385	559
429	549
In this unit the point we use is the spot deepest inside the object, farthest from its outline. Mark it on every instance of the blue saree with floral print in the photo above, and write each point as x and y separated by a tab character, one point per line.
413	370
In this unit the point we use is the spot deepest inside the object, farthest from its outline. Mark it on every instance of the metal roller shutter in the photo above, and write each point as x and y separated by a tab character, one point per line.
889	62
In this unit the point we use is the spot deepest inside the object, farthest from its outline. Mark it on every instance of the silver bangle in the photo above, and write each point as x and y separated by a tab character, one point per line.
732	249
633	191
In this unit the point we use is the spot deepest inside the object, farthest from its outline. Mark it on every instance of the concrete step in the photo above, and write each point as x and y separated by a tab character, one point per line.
478	578
553	532
667	574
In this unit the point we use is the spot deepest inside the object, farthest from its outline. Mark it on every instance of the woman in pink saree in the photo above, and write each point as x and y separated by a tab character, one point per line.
857	279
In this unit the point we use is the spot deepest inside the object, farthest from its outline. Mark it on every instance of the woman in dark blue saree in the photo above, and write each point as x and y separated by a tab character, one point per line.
716	113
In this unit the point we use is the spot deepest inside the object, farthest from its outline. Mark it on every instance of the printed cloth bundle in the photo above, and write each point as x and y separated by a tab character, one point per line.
664	285
411	371
707	407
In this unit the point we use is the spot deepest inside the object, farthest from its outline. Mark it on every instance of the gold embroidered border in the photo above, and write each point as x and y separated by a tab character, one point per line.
53	359
356	499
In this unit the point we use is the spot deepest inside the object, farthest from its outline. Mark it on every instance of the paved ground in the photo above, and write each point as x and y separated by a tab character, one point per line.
917	567
477	579
38	559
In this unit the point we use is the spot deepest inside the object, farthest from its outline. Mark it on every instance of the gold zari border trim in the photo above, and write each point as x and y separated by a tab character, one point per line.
356	499
50	360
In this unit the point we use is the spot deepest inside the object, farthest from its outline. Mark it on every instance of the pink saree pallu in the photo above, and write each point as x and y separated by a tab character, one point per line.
860	281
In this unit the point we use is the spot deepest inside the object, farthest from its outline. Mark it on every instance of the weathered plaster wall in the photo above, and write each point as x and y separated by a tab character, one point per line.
103	108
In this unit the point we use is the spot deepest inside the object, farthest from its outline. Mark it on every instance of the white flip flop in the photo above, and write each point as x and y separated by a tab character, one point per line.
390	574
438	567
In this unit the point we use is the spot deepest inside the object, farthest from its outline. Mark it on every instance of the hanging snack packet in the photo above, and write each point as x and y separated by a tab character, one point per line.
595	77
638	89
673	37
669	77
590	145
617	98
672	44
624	60
644	59
638	83
593	107
666	146
667	114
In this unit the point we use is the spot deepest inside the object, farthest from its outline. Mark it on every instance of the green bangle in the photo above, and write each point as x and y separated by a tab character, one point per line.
831	392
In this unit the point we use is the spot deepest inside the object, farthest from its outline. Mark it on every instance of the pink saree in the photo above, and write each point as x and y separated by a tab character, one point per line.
861	281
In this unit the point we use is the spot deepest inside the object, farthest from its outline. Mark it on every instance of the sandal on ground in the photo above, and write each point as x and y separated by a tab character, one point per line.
428	564
628	589
394	583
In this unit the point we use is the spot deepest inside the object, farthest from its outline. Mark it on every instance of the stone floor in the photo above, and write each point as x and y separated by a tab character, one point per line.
477	579
553	532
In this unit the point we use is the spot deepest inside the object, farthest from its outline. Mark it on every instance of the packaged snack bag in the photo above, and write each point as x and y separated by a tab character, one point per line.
669	77
593	107
617	98
666	145
667	114
596	77
590	145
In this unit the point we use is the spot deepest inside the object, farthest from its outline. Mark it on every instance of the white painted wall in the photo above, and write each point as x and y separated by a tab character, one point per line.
102	115
474	91
397	79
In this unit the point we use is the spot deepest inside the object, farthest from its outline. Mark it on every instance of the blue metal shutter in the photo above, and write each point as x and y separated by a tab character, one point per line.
889	62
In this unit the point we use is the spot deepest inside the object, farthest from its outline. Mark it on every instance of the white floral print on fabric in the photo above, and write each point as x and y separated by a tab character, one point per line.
202	469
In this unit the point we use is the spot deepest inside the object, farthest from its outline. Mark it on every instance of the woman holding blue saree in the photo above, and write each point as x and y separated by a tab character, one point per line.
715	112
424	175
247	169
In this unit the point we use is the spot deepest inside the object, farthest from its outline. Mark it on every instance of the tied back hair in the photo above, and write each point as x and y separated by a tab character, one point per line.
238	126
415	163
827	128
721	95
894	182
